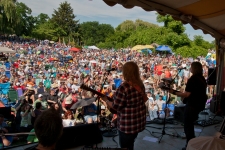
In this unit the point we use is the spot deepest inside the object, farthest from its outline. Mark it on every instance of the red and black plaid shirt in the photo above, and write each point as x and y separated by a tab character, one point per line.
131	110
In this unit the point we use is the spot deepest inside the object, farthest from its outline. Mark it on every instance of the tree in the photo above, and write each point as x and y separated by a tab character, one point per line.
170	23
198	40
164	19
94	33
64	19
41	19
26	21
7	15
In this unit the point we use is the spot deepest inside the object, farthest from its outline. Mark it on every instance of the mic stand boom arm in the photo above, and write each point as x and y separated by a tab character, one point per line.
164	119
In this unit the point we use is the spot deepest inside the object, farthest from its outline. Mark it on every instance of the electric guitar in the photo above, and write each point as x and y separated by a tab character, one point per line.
99	94
163	87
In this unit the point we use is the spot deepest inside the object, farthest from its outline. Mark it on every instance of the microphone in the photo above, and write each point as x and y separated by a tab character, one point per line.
111	69
181	68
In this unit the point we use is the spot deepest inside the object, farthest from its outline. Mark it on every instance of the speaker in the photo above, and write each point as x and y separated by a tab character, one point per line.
211	76
85	134
179	113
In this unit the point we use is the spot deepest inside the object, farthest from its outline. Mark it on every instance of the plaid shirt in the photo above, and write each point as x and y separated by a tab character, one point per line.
131	109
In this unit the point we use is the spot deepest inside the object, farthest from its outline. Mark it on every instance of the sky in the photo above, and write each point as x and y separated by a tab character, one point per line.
97	10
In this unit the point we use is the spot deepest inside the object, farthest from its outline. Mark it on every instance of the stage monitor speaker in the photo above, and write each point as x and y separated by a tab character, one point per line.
211	76
179	113
85	134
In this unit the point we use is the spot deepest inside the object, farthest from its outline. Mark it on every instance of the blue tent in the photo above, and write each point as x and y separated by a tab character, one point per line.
146	51
164	48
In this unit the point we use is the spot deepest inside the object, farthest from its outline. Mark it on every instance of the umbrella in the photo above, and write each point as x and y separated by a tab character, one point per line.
74	49
6	50
83	102
86	47
164	48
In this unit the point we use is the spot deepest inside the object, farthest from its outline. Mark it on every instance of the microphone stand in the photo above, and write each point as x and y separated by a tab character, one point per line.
164	119
109	133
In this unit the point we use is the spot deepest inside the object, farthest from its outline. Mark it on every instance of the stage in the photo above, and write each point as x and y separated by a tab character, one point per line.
146	139
167	142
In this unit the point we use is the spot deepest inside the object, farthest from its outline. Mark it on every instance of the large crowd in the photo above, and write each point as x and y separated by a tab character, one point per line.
46	75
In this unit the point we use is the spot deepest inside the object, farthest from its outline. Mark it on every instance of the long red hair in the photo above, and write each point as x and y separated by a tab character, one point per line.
68	113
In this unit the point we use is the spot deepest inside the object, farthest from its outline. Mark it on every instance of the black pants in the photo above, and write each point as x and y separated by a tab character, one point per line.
190	116
127	140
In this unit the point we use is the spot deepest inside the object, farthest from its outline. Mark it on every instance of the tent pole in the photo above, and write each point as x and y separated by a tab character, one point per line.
220	69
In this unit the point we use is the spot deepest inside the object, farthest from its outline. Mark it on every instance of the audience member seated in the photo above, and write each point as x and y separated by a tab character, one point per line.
52	98
69	119
48	129
159	104
68	102
5	140
152	109
90	113
44	103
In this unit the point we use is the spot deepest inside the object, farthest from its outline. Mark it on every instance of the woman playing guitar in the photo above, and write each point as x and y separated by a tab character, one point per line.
194	97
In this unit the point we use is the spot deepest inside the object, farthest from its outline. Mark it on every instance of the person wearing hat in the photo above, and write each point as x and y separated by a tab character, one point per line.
68	102
43	102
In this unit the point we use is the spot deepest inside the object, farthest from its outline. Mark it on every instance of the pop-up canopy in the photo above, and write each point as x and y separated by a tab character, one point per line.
207	15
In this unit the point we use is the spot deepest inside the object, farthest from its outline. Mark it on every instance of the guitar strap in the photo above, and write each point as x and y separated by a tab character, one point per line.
138	88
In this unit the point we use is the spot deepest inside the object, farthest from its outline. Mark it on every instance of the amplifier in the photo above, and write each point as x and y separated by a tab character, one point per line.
179	113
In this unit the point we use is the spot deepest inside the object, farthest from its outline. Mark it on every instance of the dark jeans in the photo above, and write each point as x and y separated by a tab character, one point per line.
190	116
127	140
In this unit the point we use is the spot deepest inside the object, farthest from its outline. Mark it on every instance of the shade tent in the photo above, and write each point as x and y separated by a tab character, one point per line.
140	47
6	50
93	47
207	15
164	48
201	14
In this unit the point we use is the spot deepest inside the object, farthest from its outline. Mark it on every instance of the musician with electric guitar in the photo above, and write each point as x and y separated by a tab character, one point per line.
129	105
194	97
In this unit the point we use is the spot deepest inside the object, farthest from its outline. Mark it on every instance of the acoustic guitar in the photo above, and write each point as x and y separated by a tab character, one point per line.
83	86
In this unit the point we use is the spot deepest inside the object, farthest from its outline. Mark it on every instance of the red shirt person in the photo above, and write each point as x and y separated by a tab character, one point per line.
68	102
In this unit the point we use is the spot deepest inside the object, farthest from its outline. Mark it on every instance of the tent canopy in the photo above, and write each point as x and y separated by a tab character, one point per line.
6	50
208	15
74	49
93	47
140	47
164	48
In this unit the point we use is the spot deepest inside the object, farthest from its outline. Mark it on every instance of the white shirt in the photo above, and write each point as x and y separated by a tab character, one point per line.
68	122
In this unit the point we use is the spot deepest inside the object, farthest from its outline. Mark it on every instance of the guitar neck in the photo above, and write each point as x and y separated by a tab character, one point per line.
94	91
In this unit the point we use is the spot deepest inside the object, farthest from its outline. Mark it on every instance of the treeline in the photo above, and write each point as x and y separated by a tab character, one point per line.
16	18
